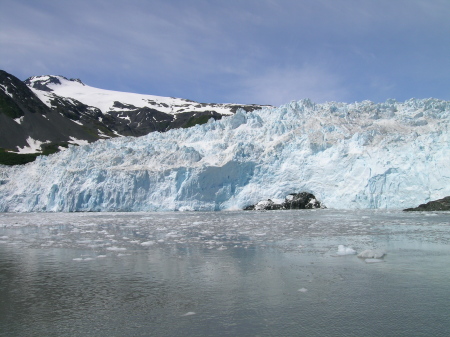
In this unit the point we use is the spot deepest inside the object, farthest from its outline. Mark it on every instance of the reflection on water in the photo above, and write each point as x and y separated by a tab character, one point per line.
223	274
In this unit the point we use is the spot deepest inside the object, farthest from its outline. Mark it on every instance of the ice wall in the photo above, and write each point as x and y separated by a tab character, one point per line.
361	155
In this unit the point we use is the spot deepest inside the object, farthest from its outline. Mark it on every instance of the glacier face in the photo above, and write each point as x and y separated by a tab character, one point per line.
361	155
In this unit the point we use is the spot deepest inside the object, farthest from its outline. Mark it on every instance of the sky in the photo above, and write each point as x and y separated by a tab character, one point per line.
235	51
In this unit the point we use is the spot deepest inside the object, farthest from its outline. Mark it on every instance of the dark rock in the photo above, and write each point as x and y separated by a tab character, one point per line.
124	105
303	200
436	205
42	84
76	80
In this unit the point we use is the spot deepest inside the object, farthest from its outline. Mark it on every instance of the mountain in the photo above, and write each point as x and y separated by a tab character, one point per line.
391	155
44	114
27	125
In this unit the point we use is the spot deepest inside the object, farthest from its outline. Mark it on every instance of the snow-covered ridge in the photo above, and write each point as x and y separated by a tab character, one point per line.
361	155
46	87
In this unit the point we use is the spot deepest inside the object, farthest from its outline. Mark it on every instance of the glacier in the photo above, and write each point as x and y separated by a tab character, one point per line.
389	155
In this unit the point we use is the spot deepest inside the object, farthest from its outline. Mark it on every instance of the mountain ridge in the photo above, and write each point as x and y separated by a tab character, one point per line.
44	114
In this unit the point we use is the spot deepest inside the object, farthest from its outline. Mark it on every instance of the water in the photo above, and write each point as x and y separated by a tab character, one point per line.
224	274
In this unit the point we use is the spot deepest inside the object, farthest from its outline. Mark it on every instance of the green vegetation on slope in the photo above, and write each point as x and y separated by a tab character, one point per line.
11	158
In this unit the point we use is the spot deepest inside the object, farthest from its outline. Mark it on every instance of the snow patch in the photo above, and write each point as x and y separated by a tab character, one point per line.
105	99
34	146
77	122
44	96
19	120
5	89
76	141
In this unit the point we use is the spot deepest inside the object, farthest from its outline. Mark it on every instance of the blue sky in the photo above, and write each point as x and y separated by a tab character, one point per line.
242	51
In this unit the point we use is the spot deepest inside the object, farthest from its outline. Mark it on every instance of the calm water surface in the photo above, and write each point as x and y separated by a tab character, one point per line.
224	274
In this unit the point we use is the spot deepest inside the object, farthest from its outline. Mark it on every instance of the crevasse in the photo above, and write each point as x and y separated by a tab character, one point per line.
360	155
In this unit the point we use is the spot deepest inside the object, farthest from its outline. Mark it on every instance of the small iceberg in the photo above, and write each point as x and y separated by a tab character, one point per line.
147	243
115	248
372	254
342	250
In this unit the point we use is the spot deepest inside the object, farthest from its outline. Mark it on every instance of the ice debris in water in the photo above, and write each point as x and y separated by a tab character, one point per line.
147	243
342	250
303	290
372	254
190	313
114	248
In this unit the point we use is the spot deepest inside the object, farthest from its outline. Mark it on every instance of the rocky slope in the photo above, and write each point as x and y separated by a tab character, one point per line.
436	205
44	114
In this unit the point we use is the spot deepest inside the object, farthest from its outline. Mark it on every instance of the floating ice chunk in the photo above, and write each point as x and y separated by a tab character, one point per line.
372	254
148	243
78	259
342	250
303	290
190	313
114	248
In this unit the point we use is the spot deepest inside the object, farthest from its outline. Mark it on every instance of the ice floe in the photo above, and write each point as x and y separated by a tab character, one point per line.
343	250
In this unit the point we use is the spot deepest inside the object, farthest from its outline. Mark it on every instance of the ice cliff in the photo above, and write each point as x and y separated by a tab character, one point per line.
361	155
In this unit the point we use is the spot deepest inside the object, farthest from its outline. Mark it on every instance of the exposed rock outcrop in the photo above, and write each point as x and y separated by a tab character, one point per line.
303	200
436	205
